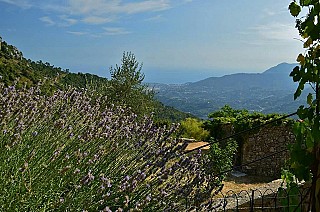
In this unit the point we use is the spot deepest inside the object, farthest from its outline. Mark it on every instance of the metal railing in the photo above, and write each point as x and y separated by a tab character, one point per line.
263	199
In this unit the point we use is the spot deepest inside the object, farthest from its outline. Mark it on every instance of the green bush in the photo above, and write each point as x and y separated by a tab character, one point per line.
193	128
222	157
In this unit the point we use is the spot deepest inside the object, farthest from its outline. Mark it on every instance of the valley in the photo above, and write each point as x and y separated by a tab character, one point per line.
267	92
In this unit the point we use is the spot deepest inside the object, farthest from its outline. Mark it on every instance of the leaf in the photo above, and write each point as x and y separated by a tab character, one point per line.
296	78
309	99
297	128
309	141
305	2
294	71
308	43
299	90
294	9
310	113
308	26
297	94
302	112
295	74
314	33
301	59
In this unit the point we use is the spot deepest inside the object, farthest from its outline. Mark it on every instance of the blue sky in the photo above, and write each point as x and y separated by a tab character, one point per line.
177	40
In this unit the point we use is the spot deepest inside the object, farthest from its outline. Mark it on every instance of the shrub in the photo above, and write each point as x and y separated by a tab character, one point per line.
71	152
192	128
222	157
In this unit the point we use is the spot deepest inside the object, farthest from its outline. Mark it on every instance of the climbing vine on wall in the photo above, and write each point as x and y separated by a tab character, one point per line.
236	121
228	121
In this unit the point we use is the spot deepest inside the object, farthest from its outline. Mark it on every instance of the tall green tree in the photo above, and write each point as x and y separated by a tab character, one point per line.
126	85
305	153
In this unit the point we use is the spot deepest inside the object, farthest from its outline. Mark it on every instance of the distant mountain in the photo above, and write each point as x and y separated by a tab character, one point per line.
282	69
276	78
267	92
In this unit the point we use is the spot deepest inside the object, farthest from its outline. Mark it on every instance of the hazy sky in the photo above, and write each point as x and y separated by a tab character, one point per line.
173	38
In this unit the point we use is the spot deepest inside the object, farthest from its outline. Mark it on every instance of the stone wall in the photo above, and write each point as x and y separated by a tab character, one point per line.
267	141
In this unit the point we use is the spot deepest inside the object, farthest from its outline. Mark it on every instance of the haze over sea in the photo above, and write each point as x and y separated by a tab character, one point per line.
183	76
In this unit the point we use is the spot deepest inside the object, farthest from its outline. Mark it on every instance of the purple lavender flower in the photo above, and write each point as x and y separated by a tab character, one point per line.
109	185
114	141
76	171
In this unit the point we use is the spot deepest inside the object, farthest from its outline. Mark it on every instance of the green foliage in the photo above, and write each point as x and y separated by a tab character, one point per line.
238	120
164	115
193	128
15	69
227	115
126	85
301	151
305	153
290	195
231	121
295	9
128	76
88	81
222	157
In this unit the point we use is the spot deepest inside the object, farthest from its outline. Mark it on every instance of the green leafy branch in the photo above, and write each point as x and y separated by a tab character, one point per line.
305	153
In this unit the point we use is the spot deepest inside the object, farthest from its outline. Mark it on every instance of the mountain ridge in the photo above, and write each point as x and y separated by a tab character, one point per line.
240	80
268	92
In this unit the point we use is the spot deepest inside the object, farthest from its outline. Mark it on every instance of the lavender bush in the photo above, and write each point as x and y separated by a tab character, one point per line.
70	151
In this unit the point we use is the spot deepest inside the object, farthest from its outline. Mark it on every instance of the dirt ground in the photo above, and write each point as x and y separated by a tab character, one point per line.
247	183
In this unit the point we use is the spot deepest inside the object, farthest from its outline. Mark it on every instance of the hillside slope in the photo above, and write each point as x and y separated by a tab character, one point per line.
15	69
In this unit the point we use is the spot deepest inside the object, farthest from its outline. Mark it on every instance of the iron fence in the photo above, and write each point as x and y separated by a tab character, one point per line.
266	199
